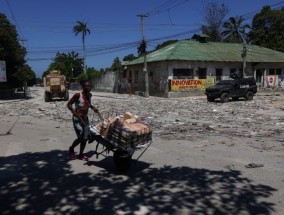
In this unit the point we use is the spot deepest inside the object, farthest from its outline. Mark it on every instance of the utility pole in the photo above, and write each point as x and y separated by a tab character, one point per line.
244	56
25	78
145	58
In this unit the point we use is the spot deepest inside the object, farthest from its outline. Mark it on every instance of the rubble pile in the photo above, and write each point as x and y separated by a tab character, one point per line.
181	118
194	118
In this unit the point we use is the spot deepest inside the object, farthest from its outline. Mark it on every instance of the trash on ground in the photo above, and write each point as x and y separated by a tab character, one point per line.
254	165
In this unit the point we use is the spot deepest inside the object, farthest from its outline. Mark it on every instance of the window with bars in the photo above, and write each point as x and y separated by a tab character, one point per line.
183	74
219	74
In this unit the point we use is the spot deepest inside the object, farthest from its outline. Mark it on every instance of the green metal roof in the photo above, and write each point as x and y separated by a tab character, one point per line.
192	50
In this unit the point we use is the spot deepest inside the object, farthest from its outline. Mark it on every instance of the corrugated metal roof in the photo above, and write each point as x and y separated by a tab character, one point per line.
192	50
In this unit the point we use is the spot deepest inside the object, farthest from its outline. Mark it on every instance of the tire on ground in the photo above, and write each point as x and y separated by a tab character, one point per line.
122	160
249	95
46	97
66	97
210	99
224	97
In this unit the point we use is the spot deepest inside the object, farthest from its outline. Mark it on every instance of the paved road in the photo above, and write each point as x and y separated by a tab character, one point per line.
198	170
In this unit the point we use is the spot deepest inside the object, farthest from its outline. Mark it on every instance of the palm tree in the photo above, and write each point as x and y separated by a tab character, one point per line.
82	28
235	30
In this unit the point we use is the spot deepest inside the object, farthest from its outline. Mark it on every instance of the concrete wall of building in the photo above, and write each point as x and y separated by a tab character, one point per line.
210	68
157	78
105	83
160	74
262	70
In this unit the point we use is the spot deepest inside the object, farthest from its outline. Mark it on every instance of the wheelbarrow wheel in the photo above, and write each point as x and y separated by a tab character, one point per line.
122	160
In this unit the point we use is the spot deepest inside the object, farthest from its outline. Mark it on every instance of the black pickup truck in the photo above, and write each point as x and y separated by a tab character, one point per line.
235	89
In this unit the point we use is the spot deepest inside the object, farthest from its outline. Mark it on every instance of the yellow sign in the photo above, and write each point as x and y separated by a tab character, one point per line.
190	84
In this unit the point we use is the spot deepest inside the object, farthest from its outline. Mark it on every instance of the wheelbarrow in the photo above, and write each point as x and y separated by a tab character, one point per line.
122	153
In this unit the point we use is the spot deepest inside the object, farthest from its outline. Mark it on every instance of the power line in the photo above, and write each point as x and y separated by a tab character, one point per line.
261	9
15	21
108	48
96	50
250	15
165	7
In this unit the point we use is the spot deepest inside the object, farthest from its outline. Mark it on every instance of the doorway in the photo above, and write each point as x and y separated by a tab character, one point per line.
259	77
202	73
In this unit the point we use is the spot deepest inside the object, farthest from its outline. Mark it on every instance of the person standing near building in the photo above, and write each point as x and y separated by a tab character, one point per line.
82	101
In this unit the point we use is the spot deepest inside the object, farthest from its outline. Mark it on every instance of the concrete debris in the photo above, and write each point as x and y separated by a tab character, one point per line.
171	118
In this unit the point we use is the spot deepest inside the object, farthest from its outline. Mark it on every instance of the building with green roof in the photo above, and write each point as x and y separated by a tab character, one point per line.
197	59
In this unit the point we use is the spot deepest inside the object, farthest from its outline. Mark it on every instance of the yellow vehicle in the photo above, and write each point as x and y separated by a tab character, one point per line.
55	86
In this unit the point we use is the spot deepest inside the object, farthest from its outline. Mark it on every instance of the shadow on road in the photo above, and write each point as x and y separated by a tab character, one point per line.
44	183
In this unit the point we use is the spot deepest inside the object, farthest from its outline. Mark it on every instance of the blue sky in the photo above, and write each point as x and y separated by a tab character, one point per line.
45	26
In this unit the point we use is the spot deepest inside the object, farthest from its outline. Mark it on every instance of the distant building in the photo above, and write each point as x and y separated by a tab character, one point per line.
106	82
201	61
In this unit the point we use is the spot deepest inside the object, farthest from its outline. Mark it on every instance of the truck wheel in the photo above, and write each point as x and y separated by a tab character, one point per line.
224	97
210	99
249	95
46	97
122	160
66	97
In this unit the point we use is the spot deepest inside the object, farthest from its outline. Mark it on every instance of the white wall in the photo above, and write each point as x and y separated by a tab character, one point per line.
105	83
163	72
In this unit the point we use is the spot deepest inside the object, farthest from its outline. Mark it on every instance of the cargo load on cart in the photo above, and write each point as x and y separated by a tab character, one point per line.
123	134
126	131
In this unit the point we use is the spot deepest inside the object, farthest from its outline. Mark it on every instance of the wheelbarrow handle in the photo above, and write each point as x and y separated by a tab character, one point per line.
100	116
